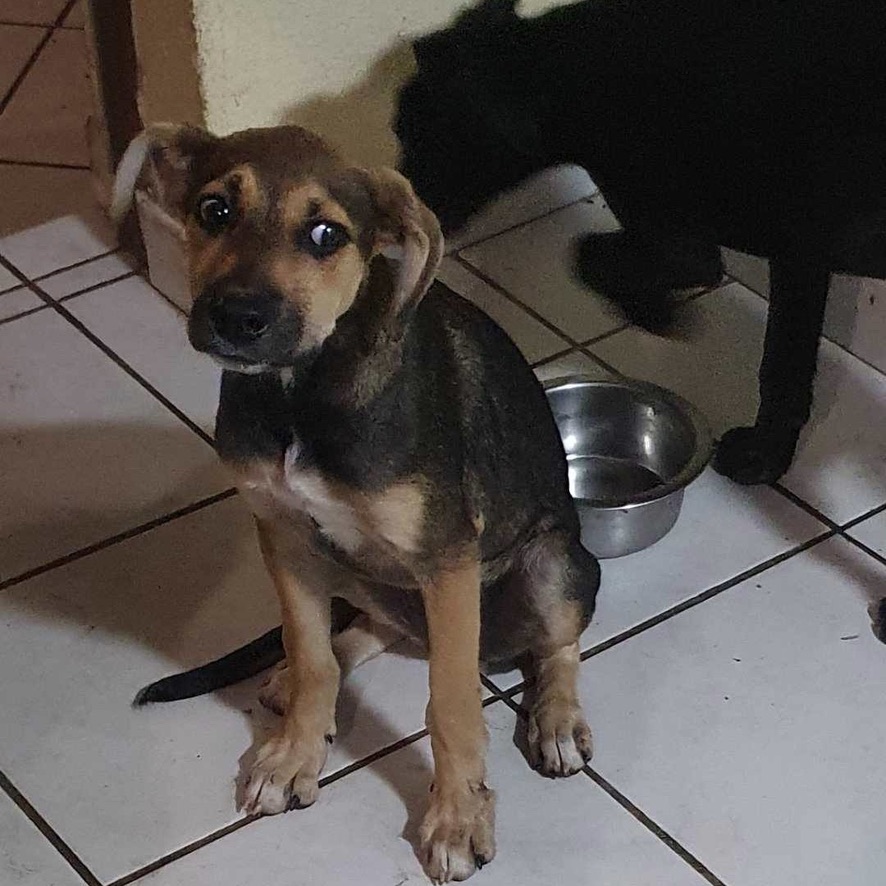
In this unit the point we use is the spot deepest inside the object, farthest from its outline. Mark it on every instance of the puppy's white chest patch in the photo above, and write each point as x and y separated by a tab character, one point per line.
389	522
308	491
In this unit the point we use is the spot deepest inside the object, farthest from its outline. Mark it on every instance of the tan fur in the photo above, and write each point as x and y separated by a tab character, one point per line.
289	764
355	645
460	821
398	515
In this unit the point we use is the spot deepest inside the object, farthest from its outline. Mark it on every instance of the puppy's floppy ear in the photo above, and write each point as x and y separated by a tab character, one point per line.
407	232
166	153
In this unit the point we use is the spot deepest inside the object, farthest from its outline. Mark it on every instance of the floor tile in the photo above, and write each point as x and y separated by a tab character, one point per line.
17	301
569	827
18	44
85	452
61	239
572	363
742	527
27	858
841	460
750	727
93	273
872	532
46	119
124	786
76	18
151	335
534	339
751	270
542	193
37	12
534	264
8	280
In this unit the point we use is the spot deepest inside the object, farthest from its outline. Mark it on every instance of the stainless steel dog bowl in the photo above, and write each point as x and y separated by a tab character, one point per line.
632	448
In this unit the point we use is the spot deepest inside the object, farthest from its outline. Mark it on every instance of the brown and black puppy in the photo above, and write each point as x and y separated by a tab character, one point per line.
396	450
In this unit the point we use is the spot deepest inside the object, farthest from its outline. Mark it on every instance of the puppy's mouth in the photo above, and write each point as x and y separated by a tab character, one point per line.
232	364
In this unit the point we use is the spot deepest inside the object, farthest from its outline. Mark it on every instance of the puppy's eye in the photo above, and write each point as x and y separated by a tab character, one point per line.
214	213
325	238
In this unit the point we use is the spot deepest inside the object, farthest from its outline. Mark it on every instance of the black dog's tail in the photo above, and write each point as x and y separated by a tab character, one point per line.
247	661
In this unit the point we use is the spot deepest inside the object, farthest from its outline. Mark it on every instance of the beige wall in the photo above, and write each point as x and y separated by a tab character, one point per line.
332	66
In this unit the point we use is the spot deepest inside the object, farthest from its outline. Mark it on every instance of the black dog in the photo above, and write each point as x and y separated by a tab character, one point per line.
756	125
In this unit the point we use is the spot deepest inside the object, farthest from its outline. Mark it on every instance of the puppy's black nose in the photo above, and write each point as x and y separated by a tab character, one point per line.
242	319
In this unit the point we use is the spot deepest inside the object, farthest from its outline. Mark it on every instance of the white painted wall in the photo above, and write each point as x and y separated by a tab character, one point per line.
332	66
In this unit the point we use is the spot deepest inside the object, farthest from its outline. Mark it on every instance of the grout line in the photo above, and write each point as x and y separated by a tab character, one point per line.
109	352
840	531
92	288
538	364
604	364
21	314
32	60
41	164
874	512
482	275
706	595
374	757
356	766
690	603
485	238
41	25
166	298
184	850
77	264
632	809
865	548
652	825
804	505
48	831
127	534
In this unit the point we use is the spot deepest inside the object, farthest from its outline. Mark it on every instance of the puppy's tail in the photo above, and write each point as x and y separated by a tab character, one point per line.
247	661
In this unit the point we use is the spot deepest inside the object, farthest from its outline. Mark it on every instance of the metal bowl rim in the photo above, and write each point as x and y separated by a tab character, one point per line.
704	439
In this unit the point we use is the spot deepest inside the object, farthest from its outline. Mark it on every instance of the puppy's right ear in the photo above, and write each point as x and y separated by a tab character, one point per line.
166	153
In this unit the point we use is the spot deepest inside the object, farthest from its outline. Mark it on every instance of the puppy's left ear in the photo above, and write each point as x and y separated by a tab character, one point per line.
168	153
407	232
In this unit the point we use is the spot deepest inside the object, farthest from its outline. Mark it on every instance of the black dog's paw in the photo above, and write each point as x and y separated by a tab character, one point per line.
618	268
640	276
754	455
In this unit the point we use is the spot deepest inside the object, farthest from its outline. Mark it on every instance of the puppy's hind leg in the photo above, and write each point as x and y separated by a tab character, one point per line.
359	642
562	579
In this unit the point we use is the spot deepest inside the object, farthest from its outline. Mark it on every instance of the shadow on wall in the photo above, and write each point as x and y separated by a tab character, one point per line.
359	120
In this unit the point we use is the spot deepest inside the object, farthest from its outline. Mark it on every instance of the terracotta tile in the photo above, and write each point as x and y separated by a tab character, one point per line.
46	120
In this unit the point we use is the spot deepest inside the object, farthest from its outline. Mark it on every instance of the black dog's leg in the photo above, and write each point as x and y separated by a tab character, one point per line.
638	272
797	298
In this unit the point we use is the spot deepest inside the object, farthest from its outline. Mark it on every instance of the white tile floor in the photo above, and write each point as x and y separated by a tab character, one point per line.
731	674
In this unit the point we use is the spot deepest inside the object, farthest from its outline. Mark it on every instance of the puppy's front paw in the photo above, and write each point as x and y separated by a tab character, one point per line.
755	455
458	833
274	692
559	738
285	774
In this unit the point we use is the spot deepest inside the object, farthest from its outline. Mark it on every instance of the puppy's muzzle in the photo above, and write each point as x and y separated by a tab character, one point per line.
241	318
246	325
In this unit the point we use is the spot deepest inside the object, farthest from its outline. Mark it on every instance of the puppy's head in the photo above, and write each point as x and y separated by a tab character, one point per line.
465	121
280	235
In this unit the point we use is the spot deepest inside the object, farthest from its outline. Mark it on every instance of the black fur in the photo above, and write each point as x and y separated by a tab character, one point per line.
753	124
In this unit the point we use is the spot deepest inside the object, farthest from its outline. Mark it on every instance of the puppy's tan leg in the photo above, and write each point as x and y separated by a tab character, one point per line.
287	768
457	834
358	643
